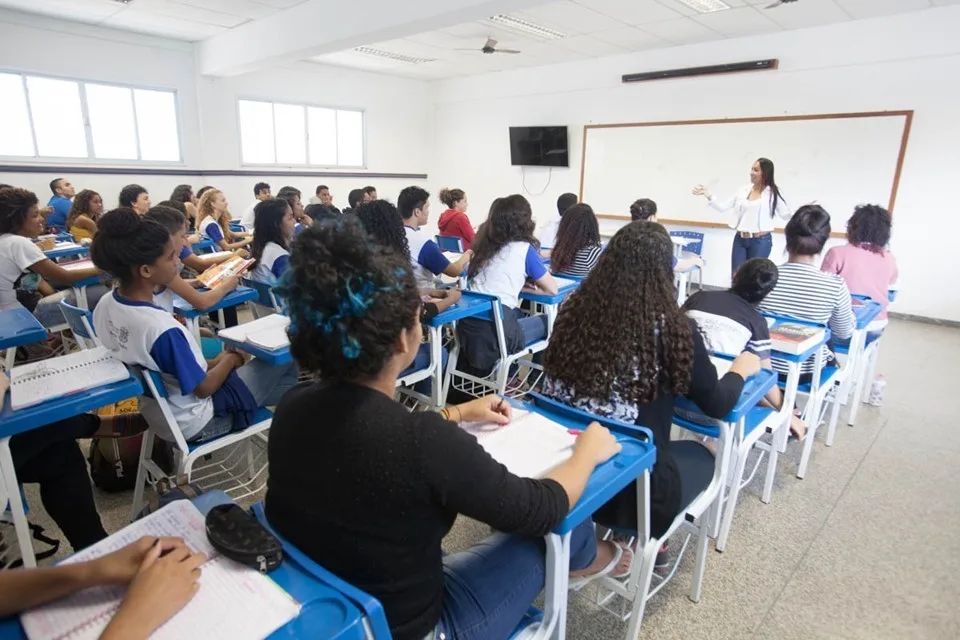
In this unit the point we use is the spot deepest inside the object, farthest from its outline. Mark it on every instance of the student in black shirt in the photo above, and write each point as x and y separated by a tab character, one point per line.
368	490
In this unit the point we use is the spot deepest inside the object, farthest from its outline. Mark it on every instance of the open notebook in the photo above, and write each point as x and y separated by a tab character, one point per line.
233	603
268	333
38	382
531	446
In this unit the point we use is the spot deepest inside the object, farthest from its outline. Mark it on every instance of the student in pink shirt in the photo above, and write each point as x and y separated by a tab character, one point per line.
865	262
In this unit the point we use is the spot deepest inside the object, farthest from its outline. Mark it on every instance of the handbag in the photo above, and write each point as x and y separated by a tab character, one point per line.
237	535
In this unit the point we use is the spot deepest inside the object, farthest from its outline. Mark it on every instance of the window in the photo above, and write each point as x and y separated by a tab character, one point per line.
293	134
44	117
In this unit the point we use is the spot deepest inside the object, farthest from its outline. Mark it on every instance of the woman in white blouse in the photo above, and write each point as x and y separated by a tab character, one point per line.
756	205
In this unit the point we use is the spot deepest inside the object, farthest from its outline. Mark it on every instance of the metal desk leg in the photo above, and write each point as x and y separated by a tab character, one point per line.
779	440
193	325
554	625
9	473
436	361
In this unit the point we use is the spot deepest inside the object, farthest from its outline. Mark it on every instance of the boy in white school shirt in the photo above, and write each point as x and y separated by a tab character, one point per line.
261	191
425	255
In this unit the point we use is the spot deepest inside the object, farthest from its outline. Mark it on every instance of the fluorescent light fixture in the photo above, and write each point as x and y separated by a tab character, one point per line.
389	55
705	6
525	26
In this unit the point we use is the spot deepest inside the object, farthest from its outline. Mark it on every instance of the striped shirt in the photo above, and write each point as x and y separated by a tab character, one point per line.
806	293
585	260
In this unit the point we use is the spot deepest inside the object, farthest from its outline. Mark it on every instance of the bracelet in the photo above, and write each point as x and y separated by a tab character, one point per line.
459	414
445	413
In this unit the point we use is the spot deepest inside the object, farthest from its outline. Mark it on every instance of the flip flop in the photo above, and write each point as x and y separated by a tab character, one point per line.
581	581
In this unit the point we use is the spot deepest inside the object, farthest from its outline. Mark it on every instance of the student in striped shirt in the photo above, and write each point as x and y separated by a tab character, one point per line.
578	242
805	292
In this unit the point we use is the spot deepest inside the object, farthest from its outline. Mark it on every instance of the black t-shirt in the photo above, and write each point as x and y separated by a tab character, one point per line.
729	324
368	490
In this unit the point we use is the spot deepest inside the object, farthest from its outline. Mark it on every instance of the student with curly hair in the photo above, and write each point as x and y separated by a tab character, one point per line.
454	221
865	263
354	310
622	349
25	272
86	210
208	398
578	242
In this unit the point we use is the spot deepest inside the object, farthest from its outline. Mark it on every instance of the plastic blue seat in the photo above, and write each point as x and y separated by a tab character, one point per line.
450	243
80	322
265	297
204	246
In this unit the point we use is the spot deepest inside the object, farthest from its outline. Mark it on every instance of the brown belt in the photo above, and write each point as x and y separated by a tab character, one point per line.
747	234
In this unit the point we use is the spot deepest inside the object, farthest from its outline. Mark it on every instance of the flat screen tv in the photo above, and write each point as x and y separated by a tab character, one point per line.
539	147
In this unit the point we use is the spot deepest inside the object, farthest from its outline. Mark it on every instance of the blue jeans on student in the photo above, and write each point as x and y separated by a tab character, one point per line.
490	586
534	328
746	248
421	361
267	384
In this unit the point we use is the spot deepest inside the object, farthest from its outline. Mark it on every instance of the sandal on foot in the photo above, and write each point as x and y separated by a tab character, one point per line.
577	582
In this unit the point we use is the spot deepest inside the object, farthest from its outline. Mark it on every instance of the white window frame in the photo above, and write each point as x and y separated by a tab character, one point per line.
88	131
305	105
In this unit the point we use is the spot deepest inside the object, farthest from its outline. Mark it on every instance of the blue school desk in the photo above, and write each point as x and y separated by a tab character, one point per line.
278	357
471	305
18	327
66	252
550	303
36	417
204	246
866	310
181	307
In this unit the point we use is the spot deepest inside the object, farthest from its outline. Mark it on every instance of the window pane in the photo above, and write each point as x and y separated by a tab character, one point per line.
111	122
323	136
291	134
157	125
350	138
15	139
57	117
256	132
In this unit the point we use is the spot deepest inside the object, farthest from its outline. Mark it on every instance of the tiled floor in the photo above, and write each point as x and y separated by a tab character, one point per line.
866	546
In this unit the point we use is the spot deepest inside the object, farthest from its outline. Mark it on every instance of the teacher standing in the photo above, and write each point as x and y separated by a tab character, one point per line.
756	206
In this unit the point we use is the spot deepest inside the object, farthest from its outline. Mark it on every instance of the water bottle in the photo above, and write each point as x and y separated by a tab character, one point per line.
875	399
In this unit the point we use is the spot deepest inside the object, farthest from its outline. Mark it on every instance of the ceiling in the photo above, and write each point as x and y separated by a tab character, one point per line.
591	28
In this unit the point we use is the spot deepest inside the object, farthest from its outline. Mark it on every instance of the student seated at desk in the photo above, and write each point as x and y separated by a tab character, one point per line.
86	210
158	586
183	193
368	490
23	264
208	398
578	242
506	259
730	323
805	292
215	222
135	197
622	349
425	255
645	209
548	233
865	263
273	233
455	222
192	237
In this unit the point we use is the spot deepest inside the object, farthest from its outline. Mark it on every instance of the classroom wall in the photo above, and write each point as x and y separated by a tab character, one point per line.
900	62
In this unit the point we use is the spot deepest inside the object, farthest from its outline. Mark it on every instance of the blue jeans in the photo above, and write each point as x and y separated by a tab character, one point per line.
746	248
534	328
267	384
489	587
422	360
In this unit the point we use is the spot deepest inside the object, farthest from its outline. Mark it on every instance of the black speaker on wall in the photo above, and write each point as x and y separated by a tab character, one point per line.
733	67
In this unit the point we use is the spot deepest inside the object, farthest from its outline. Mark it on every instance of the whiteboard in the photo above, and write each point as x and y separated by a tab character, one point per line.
837	160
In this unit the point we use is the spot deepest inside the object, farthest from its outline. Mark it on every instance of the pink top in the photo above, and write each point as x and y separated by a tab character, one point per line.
866	273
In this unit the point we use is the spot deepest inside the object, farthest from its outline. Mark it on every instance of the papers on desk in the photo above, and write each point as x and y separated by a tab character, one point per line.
234	602
795	338
31	384
531	446
564	282
85	263
268	333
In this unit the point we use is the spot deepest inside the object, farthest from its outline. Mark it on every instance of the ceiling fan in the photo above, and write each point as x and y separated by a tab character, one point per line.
778	3
490	47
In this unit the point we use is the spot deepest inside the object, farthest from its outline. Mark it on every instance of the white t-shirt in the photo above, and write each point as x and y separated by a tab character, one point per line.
17	255
273	263
425	257
548	234
210	229
249	216
507	272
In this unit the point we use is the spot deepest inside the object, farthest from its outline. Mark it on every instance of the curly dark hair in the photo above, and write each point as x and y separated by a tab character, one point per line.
15	205
869	227
81	206
578	229
125	242
348	300
510	220
268	226
623	325
383	223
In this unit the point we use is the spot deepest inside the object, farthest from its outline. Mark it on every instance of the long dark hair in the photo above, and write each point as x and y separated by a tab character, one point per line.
510	220
268	225
81	206
767	176
578	229
383	223
623	325
181	193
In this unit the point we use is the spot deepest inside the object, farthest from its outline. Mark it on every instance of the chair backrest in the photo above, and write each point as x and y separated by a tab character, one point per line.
80	322
265	295
450	243
693	247
204	246
155	390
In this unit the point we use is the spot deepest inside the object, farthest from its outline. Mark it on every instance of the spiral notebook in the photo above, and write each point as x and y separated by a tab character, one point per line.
233	603
38	382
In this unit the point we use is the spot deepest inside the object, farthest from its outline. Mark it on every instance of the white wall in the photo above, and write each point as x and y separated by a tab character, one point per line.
909	61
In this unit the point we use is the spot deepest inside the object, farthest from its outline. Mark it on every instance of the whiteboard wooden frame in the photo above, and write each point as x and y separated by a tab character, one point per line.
907	124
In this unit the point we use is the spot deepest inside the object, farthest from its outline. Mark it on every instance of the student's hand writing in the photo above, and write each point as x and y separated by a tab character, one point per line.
596	444
161	588
701	190
122	566
746	365
488	409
